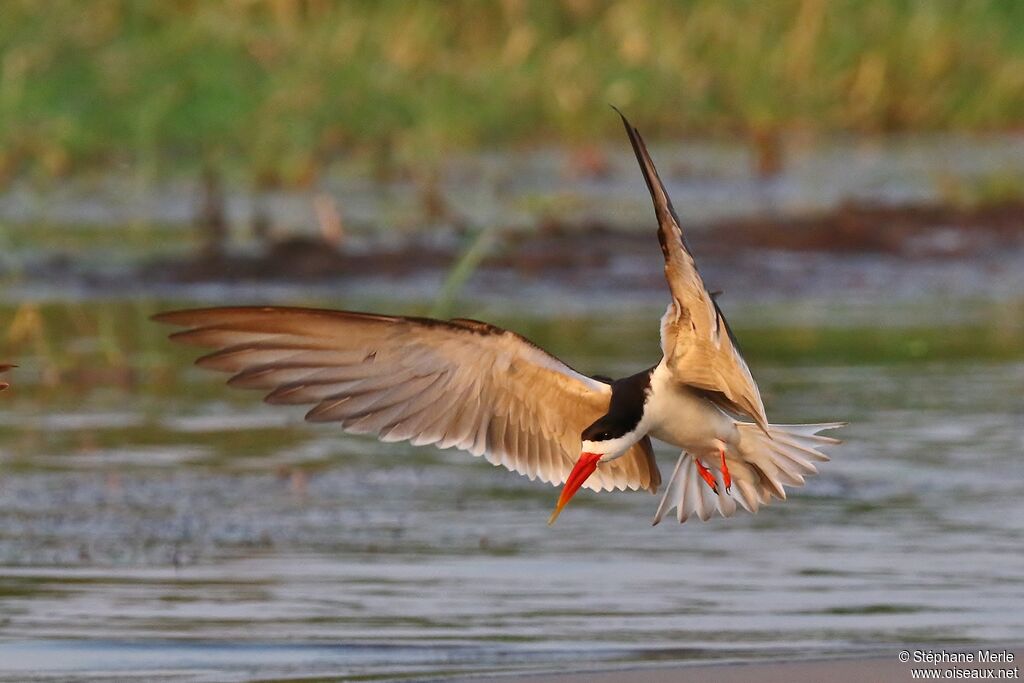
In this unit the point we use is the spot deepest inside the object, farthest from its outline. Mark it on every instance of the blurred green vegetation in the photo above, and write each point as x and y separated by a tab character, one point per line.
82	345
273	92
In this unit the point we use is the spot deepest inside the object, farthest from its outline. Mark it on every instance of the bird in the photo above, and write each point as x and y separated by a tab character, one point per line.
489	391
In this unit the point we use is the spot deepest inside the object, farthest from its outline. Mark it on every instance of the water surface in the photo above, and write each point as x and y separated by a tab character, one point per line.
155	524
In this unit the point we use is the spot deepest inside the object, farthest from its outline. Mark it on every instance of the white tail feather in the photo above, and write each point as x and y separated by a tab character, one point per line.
760	469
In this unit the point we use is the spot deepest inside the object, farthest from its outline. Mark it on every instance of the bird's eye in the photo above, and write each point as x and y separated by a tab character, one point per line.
604	436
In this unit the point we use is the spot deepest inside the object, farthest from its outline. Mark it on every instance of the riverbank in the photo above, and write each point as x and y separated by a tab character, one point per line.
856	253
834	670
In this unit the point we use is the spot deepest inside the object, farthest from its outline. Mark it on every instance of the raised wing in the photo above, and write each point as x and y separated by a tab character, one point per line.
698	345
458	383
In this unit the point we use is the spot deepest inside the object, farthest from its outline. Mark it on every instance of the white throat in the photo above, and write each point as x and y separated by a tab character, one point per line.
614	448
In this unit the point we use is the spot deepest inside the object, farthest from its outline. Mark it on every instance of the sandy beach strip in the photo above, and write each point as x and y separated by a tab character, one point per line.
834	671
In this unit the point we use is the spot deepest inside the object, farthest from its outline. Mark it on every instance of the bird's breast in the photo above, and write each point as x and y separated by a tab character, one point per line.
679	415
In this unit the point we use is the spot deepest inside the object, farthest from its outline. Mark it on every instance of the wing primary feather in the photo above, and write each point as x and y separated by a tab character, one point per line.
458	383
663	208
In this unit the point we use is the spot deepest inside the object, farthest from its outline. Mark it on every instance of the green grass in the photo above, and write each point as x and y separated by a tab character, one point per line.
273	92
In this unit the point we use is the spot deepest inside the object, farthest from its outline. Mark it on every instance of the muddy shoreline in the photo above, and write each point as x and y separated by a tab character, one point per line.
560	251
839	670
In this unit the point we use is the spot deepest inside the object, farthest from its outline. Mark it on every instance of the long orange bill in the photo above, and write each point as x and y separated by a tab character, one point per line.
585	466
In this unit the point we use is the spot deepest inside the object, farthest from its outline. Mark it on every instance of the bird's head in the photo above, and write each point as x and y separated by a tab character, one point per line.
608	438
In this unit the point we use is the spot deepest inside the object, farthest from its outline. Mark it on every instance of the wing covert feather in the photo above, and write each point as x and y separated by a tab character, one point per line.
459	383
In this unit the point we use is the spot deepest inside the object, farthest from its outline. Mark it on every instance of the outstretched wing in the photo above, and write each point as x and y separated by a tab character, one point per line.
458	383
698	345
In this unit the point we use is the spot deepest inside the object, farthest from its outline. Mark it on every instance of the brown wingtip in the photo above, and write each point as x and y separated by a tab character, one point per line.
634	138
625	121
663	208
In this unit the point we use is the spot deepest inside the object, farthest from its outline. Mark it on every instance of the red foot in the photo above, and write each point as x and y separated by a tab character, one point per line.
706	475
726	477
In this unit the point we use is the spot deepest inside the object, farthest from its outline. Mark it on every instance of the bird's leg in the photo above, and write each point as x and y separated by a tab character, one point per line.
726	477
706	475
